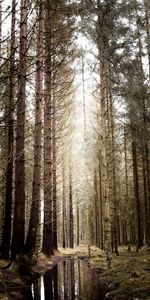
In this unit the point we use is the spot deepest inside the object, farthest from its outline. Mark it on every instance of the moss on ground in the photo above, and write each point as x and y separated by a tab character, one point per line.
130	275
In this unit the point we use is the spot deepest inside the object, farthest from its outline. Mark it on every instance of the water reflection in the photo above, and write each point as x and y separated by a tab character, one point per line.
69	280
37	289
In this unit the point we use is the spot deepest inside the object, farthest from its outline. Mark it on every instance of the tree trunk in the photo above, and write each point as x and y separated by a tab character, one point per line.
96	211
148	186
102	47
35	206
71	231
145	154
5	247
146	206
54	177
127	192
19	208
147	17
137	199
101	210
78	226
107	231
48	190
146	173
114	191
63	206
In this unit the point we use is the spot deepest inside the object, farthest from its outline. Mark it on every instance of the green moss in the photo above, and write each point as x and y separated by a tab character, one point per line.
132	272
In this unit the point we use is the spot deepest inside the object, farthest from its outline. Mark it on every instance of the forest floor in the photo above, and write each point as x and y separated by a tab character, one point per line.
127	279
129	275
13	286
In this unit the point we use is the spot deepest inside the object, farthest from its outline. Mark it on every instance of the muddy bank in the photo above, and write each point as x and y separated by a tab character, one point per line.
16	281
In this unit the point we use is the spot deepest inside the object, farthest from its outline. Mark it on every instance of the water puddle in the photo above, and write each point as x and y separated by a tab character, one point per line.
69	280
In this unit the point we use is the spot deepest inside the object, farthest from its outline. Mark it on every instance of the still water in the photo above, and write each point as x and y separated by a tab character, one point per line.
69	280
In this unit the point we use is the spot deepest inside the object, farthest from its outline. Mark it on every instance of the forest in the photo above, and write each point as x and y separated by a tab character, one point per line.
74	149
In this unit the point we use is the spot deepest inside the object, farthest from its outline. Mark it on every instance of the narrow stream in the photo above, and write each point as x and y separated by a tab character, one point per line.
69	280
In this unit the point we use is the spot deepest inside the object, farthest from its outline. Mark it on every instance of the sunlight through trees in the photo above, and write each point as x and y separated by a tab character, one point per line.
74	126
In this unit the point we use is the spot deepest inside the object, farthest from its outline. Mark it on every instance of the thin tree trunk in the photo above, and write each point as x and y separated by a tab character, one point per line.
115	221
148	186
78	226
35	206
54	178
63	207
146	174
5	247
137	199
48	191
145	157
104	156
147	17
71	231
101	210
96	211
127	192
19	208
146	207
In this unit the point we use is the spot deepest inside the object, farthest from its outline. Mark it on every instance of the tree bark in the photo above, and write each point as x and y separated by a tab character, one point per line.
5	246
30	245
102	44
63	206
71	231
114	191
96	211
78	226
54	176
101	210
147	17
127	192
137	199
48	175
17	246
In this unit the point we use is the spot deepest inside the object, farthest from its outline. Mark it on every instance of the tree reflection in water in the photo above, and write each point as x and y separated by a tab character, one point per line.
70	280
